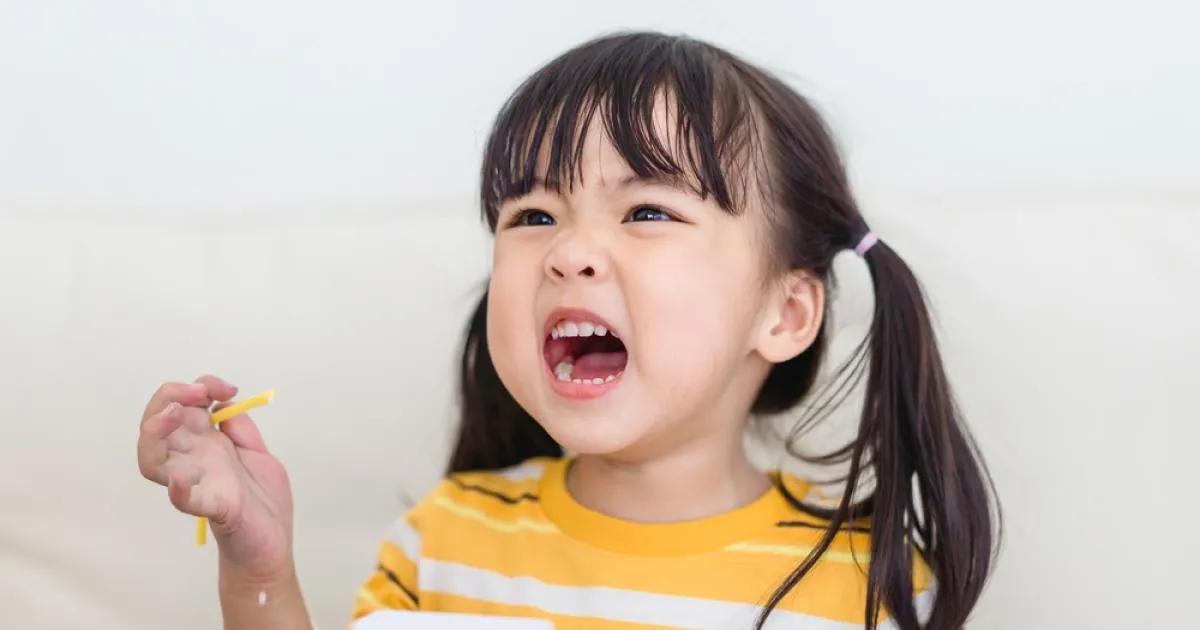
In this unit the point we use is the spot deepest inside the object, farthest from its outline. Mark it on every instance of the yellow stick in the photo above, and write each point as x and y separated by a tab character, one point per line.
221	415
258	400
201	531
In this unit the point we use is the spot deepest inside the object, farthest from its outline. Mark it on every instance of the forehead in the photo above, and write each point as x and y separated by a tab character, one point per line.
560	138
601	165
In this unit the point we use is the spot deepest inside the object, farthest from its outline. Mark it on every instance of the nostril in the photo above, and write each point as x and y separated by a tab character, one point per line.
588	271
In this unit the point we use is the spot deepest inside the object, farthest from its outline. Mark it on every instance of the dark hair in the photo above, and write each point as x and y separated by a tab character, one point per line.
739	131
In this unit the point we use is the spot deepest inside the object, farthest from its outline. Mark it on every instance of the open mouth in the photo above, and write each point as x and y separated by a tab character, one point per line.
584	352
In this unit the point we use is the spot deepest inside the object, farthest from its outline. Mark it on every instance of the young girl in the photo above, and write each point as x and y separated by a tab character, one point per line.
665	219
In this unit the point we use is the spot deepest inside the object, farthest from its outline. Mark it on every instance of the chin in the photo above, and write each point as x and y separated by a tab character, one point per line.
587	435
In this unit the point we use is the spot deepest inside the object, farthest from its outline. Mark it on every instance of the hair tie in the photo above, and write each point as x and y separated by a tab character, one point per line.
867	241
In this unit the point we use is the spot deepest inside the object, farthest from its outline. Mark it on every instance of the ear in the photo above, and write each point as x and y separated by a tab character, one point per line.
792	317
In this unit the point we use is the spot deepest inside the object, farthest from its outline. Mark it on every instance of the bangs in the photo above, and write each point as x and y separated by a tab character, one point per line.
627	81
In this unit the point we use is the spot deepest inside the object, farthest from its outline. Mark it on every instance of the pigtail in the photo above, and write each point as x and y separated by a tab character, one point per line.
494	430
917	440
932	493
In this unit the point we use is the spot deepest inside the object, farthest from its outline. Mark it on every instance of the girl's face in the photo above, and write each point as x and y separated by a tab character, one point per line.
674	283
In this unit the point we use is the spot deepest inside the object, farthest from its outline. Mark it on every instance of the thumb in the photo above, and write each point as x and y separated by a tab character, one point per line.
242	431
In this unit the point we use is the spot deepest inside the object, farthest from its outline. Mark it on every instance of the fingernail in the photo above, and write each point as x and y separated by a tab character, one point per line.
171	408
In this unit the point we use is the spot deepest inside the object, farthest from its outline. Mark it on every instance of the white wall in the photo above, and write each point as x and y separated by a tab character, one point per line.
285	194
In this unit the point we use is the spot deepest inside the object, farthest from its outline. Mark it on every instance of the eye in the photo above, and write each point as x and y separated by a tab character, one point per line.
648	213
530	218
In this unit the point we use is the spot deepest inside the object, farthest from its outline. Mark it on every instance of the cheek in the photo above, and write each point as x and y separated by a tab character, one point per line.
508	324
684	350
513	280
685	330
694	314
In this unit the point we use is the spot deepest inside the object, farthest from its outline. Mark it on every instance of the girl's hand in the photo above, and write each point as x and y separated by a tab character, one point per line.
226	475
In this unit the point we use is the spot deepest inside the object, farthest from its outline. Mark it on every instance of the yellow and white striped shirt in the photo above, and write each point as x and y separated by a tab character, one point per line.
514	542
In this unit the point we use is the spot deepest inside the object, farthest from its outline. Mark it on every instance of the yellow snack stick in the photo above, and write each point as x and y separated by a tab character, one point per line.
258	400
201	531
219	416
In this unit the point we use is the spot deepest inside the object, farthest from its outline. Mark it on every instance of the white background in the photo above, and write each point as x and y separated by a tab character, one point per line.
285	194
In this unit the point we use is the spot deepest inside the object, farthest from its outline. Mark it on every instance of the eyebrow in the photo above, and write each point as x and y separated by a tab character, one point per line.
677	182
659	179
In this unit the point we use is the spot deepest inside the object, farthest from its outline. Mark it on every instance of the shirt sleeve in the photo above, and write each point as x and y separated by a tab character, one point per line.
393	584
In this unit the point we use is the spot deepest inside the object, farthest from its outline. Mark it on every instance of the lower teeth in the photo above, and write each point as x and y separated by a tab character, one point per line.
562	372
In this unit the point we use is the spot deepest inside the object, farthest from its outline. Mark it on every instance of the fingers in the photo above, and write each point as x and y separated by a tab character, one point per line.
161	424
152	441
160	436
202	393
163	449
182	478
193	395
194	490
218	389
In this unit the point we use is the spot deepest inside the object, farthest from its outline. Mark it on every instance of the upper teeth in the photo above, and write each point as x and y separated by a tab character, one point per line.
578	329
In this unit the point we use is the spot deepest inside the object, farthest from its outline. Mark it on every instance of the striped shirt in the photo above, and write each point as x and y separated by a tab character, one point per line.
514	542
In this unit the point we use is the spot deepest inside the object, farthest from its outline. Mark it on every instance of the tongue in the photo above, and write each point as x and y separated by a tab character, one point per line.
598	364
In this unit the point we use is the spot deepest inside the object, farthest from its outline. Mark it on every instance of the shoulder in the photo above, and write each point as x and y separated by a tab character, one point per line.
507	482
839	578
798	528
483	496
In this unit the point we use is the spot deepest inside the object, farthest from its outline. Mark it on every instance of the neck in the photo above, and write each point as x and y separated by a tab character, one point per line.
684	485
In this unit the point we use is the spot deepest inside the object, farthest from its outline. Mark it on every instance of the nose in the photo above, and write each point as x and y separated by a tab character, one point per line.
575	258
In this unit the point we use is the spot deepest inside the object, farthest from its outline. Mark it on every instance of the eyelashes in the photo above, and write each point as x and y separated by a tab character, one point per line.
521	218
667	216
533	217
